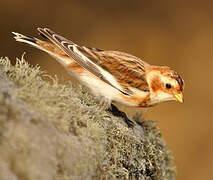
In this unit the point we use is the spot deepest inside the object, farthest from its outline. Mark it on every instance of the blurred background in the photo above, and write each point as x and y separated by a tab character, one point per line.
174	33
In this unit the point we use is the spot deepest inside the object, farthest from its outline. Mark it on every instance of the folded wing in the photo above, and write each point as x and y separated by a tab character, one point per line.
119	70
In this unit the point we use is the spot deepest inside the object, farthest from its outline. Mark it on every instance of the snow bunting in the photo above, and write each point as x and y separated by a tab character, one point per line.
116	76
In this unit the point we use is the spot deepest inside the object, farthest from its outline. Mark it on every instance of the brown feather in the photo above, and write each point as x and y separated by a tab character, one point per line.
127	69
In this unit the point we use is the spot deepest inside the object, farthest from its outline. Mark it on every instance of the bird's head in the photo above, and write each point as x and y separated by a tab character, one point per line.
165	85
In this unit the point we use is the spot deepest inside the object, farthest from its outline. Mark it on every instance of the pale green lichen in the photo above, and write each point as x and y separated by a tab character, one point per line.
53	131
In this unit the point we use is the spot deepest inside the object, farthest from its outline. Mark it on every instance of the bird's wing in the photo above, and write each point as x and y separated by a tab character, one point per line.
128	70
119	70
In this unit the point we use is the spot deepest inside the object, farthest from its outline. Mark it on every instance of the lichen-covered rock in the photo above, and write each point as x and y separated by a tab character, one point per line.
53	131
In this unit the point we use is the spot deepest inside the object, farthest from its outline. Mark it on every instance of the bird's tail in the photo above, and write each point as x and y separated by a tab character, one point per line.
29	40
45	46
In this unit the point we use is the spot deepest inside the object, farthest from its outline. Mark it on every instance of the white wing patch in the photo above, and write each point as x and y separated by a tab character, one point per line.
105	74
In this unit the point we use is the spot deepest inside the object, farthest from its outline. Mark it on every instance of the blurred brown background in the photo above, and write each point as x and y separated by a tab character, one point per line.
174	33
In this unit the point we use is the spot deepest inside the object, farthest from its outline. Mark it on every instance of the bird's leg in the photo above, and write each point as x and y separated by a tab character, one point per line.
116	112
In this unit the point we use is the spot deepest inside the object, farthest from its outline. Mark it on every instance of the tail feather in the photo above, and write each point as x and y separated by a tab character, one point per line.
29	40
45	46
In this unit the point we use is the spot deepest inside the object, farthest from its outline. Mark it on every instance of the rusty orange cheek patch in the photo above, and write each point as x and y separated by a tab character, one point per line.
156	84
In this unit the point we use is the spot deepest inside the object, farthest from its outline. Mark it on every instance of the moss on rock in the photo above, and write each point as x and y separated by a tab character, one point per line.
53	131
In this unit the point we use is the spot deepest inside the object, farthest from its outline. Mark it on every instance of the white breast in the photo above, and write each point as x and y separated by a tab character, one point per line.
100	88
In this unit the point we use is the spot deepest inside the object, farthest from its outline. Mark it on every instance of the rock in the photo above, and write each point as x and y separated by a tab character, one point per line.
53	131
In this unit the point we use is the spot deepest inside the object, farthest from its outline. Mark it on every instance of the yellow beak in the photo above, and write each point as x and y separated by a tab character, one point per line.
179	98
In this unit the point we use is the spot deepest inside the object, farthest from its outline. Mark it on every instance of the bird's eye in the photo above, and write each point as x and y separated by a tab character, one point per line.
168	86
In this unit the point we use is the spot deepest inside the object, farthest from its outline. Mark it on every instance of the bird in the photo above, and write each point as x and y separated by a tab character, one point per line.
115	76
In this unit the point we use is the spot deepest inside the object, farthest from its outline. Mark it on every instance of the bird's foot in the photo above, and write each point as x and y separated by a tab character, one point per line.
116	112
